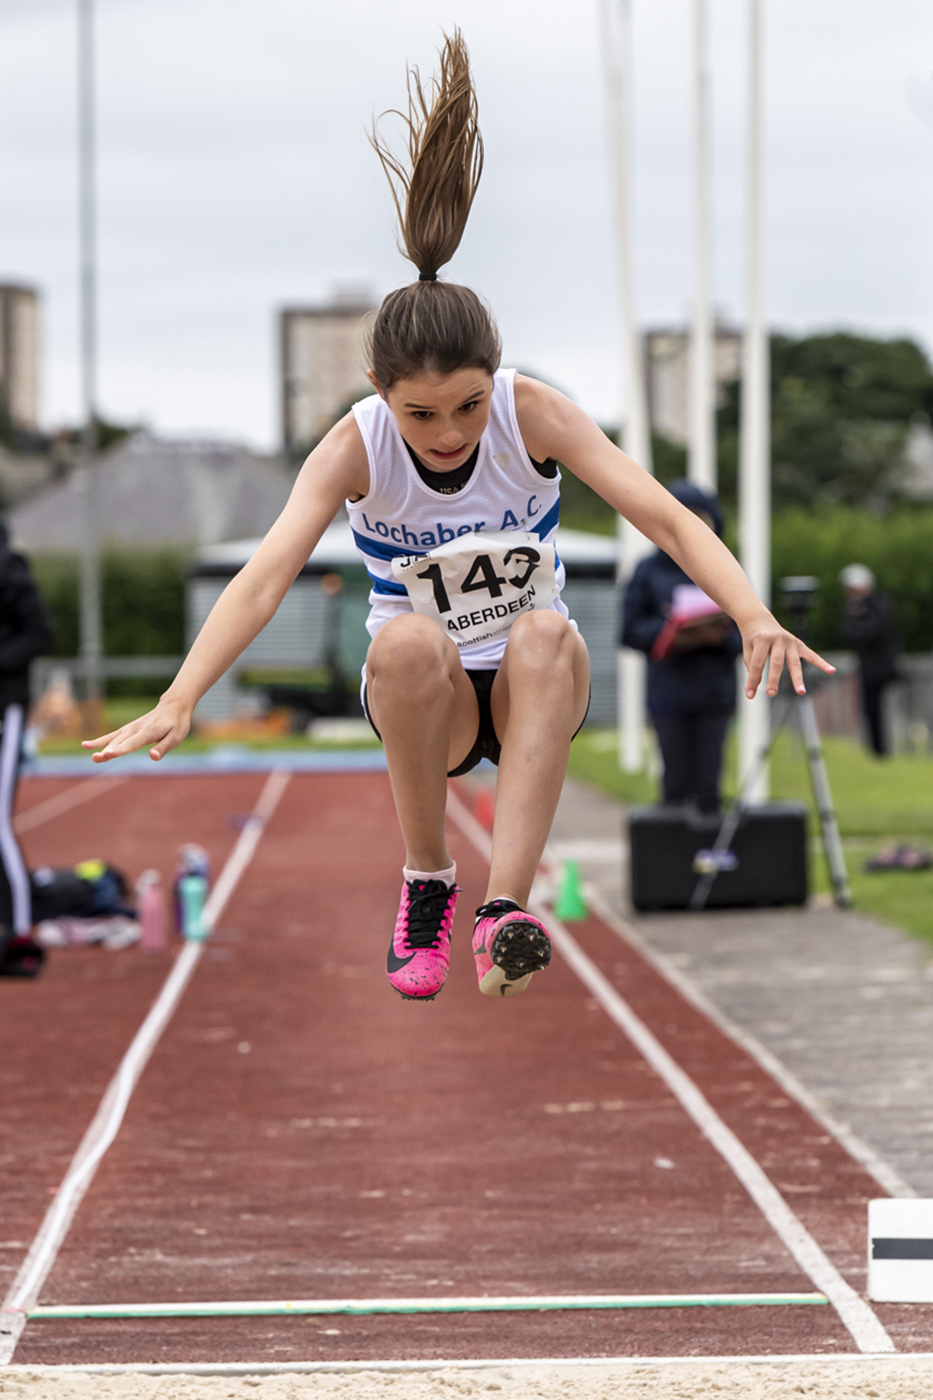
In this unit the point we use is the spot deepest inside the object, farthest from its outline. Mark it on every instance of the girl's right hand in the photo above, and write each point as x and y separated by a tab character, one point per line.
161	730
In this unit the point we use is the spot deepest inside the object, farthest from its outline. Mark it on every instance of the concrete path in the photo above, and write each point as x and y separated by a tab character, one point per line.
840	999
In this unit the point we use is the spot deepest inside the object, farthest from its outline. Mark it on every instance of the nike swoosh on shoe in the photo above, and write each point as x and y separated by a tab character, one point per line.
394	963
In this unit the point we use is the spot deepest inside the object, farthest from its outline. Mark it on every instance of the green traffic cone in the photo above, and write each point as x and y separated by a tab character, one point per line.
571	903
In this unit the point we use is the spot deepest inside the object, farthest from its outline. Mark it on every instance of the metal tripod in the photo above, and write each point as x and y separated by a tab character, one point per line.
718	858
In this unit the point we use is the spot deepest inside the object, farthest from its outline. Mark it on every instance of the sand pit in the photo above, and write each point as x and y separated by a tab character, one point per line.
893	1379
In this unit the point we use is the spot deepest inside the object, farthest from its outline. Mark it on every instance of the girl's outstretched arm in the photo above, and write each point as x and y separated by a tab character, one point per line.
337	468
552	426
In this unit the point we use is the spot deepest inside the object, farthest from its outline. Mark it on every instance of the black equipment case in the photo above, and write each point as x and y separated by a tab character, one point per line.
768	856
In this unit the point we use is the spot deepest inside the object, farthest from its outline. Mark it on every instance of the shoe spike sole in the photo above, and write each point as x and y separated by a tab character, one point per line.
520	948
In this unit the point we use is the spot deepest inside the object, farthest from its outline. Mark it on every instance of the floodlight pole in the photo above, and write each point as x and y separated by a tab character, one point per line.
701	463
616	40
85	477
755	439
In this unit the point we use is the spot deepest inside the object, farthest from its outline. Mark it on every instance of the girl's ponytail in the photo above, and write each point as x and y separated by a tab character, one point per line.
433	325
445	156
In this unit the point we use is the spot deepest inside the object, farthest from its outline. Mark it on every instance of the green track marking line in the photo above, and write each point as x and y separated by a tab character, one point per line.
365	1306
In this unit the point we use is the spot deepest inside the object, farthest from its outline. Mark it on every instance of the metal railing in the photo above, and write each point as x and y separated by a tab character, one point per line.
108	668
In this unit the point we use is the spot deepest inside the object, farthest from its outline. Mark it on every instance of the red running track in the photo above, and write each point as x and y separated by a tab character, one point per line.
303	1133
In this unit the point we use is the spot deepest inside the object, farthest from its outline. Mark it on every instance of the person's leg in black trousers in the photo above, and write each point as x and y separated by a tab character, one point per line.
15	899
674	740
872	698
709	735
691	748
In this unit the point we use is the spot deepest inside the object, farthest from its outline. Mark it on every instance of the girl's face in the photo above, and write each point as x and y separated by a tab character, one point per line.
441	416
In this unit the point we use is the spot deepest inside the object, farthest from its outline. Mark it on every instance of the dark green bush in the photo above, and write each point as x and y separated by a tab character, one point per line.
144	603
143	606
57	577
898	548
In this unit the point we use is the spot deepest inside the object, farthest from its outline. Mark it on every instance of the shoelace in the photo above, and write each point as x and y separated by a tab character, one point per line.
427	905
497	907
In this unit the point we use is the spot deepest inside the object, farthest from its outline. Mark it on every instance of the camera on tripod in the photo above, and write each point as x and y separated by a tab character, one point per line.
799	595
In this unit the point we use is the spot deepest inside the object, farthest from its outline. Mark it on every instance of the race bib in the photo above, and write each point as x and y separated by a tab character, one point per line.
476	585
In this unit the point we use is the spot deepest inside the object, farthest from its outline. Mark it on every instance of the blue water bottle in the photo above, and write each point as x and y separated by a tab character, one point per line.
192	890
194	863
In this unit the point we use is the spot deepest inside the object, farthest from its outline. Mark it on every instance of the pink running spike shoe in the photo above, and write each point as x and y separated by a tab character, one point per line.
509	947
419	953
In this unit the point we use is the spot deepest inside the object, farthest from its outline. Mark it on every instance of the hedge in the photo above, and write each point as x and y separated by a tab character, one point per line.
898	548
143	595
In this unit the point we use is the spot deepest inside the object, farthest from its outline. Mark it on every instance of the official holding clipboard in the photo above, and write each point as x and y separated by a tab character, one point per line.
692	649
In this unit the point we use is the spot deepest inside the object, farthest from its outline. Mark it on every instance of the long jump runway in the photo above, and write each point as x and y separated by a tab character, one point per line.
302	1133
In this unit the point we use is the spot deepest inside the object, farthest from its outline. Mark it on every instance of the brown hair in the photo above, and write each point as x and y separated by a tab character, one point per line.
433	325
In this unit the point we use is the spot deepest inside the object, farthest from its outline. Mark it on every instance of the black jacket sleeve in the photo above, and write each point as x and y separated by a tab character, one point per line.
25	628
642	621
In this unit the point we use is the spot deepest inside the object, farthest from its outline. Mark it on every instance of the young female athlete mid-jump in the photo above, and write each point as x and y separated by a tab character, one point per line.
449	474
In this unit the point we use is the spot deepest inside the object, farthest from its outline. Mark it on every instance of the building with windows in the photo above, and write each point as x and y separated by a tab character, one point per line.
667	365
19	354
322	365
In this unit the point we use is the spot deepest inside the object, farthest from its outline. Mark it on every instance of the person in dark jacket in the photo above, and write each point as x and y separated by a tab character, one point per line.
871	630
692	688
25	633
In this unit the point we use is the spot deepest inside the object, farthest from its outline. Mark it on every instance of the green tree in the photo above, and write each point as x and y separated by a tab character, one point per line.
857	376
841	409
821	541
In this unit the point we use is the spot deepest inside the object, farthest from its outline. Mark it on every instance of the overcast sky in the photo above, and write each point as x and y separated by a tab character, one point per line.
235	176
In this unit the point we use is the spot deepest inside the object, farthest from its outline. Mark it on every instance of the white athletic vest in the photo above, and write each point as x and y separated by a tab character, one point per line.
401	516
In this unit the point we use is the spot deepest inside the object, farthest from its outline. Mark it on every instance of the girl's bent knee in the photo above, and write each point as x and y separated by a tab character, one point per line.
409	646
539	638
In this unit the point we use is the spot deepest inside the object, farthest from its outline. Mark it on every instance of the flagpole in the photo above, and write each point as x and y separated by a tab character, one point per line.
755	424
616	41
701	465
85	477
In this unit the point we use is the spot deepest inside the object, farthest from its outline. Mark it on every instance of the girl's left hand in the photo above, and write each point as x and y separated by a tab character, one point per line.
766	642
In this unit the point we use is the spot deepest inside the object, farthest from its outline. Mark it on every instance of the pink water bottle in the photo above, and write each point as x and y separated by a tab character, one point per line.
150	910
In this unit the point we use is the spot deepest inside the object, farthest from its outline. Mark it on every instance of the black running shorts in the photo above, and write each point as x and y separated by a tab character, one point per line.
487	742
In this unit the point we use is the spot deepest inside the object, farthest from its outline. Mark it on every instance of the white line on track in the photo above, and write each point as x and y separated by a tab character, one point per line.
885	1175
854	1313
64	801
897	1361
108	1119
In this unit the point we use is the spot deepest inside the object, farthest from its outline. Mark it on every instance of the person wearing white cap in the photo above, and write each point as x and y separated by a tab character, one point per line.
871	630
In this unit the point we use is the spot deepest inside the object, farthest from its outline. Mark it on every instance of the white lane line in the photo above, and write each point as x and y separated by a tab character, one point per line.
106	1123
854	1313
885	1175
64	801
895	1365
